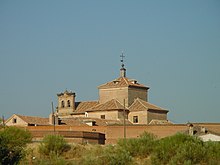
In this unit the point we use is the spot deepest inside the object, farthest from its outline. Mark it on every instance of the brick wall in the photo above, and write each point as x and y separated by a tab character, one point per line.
109	115
114	93
156	115
134	93
113	133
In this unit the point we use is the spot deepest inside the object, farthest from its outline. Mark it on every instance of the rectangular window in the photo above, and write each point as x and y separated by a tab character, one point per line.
14	120
135	119
102	116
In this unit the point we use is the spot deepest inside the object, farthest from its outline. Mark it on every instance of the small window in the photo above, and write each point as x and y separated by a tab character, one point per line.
102	116
68	103
62	104
135	119
14	120
86	114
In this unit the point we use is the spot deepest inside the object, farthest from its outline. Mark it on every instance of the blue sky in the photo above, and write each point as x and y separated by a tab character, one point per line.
172	46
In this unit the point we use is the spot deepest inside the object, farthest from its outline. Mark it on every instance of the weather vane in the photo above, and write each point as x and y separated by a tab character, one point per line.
122	59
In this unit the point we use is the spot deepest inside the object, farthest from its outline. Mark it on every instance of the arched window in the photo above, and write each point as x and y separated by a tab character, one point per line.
62	104
68	103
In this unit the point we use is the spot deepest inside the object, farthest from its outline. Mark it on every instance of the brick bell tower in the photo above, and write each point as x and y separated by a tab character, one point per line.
66	103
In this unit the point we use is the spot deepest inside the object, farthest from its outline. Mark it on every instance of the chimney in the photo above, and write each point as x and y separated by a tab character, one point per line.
123	72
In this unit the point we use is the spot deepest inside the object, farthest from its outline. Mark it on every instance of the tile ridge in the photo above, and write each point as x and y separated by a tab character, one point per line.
140	101
117	102
126	80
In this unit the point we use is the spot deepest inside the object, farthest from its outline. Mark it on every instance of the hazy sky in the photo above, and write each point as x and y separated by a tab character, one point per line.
171	46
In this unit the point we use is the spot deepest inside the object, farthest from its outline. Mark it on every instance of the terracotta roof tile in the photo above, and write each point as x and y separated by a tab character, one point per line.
82	107
140	105
109	105
122	82
74	121
34	120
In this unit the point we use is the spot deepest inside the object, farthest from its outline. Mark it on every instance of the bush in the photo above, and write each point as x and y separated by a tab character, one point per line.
116	155
142	146
110	155
12	143
179	149
213	152
76	151
53	144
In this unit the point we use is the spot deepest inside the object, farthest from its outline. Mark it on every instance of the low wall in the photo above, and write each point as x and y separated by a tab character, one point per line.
117	132
71	136
113	133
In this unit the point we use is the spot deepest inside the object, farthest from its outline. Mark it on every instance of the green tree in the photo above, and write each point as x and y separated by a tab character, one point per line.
12	143
53	144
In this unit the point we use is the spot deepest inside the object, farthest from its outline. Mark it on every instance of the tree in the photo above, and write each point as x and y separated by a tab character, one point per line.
12	143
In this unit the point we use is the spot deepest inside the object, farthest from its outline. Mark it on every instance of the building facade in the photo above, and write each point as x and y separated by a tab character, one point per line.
118	99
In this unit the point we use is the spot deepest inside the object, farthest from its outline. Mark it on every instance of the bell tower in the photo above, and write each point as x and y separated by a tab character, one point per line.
66	103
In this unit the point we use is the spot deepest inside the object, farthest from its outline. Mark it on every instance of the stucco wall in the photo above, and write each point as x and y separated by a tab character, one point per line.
19	122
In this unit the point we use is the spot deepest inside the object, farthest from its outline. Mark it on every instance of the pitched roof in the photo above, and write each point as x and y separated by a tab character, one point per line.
122	82
34	120
140	105
82	107
109	105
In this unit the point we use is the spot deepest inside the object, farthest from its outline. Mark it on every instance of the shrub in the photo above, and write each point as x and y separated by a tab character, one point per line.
116	155
12	143
192	152
179	149
142	146
213	152
111	155
76	151
53	144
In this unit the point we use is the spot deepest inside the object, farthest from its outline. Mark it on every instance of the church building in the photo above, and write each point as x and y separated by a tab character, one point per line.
119	99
